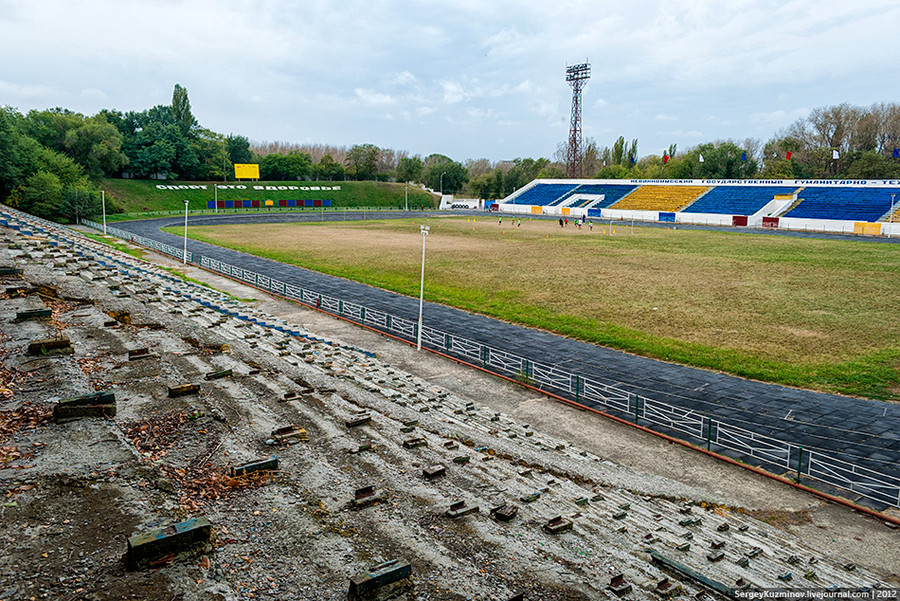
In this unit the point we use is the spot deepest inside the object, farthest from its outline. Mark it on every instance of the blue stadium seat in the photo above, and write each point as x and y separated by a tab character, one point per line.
737	200
850	204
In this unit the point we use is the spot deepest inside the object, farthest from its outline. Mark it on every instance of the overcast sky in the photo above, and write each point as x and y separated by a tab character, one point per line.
467	78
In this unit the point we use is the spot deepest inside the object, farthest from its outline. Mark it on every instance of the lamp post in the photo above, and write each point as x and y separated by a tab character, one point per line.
184	257
442	182
103	202
424	229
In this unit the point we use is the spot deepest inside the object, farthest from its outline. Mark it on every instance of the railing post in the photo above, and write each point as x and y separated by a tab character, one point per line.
447	342
708	433
484	355
577	389
637	405
799	464
416	330
388	321
362	313
340	307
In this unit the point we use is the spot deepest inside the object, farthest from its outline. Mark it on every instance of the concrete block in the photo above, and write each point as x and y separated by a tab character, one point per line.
723	527
668	588
33	314
289	434
743	561
47	346
581	501
462	459
358	420
460	509
755	551
621	515
558	524
364	585
530	498
684	547
183	390
412	443
715	556
504	513
717	544
97	404
188	537
618	585
141	353
433	472
264	465
368	495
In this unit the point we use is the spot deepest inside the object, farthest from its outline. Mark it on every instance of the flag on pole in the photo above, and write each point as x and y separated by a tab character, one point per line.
701	158
743	156
789	153
632	160
665	159
835	155
897	153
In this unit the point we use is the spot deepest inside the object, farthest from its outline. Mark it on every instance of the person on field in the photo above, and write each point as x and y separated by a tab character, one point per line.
519	223
560	222
591	225
500	220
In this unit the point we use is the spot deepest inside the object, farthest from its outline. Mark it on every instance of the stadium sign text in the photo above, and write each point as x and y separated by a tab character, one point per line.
242	187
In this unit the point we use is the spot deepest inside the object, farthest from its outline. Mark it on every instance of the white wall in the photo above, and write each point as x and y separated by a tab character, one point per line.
703	218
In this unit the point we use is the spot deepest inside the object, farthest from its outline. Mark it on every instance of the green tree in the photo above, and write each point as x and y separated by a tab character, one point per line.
409	169
42	195
97	146
362	161
50	127
80	201
238	148
328	169
450	174
181	110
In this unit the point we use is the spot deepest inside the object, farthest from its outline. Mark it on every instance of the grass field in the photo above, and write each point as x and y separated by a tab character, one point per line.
819	314
132	197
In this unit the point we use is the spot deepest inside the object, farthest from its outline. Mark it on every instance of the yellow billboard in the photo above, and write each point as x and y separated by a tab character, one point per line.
246	171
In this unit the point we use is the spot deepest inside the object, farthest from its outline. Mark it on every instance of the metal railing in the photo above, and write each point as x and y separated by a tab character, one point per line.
694	427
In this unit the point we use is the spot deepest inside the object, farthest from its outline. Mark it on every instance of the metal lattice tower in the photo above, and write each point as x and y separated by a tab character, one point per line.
577	76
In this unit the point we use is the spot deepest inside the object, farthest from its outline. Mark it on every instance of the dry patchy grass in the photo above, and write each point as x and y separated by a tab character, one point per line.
762	306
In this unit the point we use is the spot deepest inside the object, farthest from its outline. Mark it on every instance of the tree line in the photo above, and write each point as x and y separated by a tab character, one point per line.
51	161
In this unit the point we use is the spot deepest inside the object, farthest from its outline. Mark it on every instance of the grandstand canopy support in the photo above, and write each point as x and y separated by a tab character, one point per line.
577	77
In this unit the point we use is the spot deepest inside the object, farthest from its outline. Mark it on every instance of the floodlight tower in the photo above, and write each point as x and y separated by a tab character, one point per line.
577	76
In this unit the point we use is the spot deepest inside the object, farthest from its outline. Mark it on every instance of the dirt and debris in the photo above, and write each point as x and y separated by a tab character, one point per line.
75	492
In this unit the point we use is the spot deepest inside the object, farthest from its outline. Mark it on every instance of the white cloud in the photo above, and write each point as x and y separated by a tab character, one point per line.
271	71
371	97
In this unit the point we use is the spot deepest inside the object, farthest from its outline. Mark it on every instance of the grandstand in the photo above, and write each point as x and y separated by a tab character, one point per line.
861	207
855	204
660	198
737	200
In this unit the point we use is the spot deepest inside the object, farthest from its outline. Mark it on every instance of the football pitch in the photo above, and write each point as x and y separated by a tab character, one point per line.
813	313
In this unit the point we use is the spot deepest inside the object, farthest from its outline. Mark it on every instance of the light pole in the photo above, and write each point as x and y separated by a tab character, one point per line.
103	202
184	257
424	229
442	182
